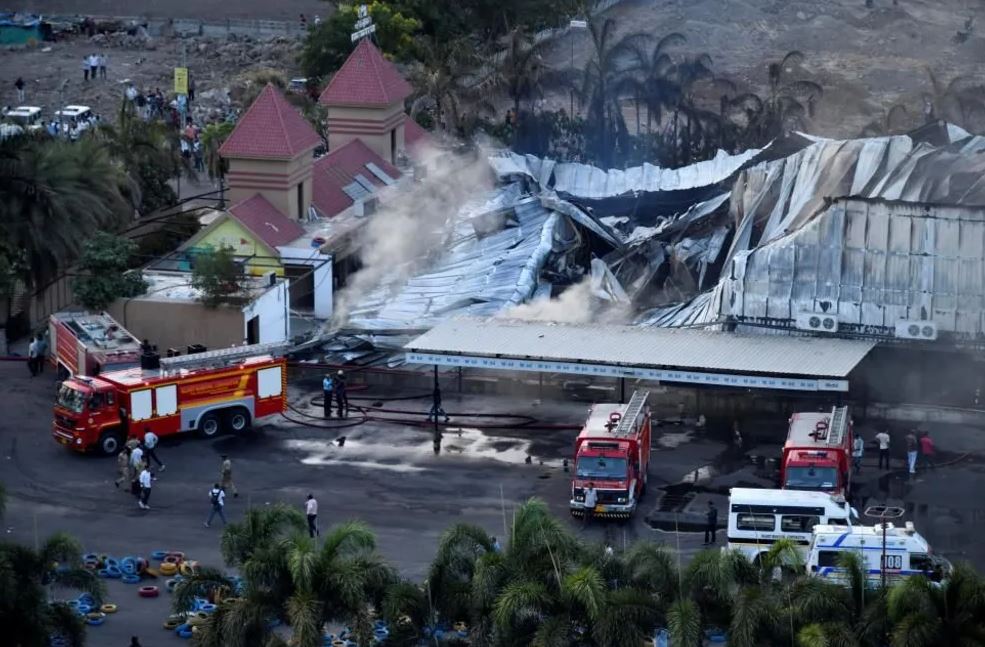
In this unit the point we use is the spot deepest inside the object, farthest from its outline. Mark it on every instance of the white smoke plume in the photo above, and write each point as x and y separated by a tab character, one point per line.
413	224
583	302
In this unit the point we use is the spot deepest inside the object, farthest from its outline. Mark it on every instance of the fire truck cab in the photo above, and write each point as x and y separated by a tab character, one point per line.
206	392
817	454
612	453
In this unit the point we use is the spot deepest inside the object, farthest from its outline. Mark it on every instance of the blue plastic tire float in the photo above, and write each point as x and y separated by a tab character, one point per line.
130	579
207	607
184	631
159	554
129	565
95	618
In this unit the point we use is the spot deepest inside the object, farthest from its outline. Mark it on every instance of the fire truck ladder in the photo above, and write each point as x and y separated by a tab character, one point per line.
223	356
628	421
839	423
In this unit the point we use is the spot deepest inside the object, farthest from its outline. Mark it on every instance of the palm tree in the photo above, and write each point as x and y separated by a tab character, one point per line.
788	103
925	614
212	137
520	69
655	85
891	123
957	101
600	88
444	78
261	529
52	195
30	618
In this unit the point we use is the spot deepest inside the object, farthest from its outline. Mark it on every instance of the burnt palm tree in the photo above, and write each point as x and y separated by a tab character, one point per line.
443	80
958	101
892	122
653	84
788	103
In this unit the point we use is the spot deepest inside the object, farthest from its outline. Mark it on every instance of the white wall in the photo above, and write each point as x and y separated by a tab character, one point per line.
322	264
273	308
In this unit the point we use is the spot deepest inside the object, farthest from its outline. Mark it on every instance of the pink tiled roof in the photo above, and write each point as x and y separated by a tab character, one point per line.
365	79
414	135
338	169
265	221
270	129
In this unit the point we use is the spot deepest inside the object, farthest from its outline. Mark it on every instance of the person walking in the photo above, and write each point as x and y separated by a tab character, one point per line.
145	485
85	68
926	450
123	467
436	408
19	84
42	353
136	457
588	506
711	523
32	356
150	444
102	66
93	67
911	452
326	393
217	497
226	476
882	438
134	641
858	450
341	397
311	511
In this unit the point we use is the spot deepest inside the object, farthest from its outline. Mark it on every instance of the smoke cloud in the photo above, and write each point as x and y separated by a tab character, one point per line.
584	302
413	224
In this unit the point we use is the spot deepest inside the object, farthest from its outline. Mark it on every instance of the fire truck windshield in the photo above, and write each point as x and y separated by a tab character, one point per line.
71	399
601	467
811	478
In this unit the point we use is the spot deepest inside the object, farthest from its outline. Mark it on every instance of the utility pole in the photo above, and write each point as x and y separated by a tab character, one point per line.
434	410
573	25
884	513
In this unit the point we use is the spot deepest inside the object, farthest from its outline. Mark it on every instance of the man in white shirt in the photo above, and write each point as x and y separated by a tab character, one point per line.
217	497
145	485
311	510
591	499
883	439
137	459
858	450
32	356
150	442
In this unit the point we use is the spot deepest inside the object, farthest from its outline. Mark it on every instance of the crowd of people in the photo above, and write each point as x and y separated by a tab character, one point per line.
93	67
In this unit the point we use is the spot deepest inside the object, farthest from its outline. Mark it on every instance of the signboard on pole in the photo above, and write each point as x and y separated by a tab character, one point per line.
181	80
364	24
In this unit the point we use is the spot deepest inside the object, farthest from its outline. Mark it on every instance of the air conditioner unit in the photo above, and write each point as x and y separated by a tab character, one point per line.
817	322
909	329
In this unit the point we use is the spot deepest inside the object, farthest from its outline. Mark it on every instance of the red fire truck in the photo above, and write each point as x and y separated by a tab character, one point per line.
818	452
208	392
612	453
90	344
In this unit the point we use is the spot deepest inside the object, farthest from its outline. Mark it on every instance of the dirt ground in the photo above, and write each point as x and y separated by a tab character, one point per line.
202	9
53	71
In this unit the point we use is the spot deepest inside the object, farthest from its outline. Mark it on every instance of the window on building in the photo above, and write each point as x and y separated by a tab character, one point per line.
759	522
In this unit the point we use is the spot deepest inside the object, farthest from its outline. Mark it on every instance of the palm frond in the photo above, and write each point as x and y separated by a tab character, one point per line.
304	612
205	582
684	623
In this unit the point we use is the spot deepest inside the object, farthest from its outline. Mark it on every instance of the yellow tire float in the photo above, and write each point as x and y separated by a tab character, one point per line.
171	624
197	618
168	569
109	607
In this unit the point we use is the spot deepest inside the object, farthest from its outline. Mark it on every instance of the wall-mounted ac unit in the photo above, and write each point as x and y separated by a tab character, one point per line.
817	322
923	330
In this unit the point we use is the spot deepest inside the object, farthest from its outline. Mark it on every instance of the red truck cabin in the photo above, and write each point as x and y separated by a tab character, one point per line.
101	413
817	454
89	344
613	453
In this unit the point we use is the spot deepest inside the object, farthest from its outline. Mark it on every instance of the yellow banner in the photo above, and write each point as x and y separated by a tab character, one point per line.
181	80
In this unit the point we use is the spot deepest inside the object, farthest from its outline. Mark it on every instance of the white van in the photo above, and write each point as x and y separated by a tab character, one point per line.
759	517
907	553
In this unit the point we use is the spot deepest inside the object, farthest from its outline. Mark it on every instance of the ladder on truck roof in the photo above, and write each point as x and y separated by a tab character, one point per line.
223	356
838	426
628	420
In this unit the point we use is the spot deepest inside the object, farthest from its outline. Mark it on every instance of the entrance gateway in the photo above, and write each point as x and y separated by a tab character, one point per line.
673	355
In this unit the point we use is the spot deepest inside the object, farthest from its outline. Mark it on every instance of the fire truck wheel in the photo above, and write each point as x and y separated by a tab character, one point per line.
110	442
209	425
238	420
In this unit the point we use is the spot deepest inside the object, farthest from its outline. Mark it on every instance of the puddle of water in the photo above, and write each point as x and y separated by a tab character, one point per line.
673	440
411	454
701	475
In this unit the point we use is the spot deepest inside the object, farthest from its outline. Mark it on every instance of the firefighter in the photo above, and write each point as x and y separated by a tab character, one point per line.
226	476
123	467
341	397
326	394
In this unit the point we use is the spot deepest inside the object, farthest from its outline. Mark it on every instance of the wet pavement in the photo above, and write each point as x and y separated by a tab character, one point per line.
390	476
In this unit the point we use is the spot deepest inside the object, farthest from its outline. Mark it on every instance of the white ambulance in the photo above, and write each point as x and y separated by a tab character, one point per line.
907	553
757	518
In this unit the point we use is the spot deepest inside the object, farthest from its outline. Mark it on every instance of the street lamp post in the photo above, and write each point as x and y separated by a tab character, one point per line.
574	24
884	513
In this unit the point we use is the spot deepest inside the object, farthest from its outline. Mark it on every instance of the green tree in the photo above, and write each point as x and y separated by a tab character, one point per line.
949	614
218	276
444	82
30	618
53	195
328	44
105	274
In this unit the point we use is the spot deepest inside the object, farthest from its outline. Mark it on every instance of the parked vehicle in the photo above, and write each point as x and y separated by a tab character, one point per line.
906	553
612	452
757	518
27	117
818	452
208	392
